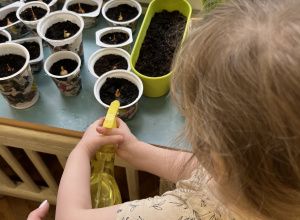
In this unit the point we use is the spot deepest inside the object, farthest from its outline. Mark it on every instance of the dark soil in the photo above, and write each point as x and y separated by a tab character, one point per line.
38	12
3	38
128	91
114	38
33	49
45	1
56	31
10	64
126	11
11	16
87	8
67	64
163	36
110	62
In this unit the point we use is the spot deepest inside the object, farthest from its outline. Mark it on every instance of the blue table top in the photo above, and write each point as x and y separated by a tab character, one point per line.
157	120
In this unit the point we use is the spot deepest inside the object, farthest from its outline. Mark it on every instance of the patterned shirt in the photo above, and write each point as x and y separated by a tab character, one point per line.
191	200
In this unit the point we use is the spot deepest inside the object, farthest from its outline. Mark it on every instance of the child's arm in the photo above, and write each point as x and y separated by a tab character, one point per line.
162	162
73	199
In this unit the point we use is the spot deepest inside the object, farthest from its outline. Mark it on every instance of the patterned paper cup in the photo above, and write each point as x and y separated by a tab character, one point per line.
52	5
131	23
74	43
91	18
16	29
70	84
18	89
31	25
111	30
128	111
106	51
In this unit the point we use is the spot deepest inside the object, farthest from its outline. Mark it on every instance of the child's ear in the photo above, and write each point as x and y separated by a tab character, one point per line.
220	173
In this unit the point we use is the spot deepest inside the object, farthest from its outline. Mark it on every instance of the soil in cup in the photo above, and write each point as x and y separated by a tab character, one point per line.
122	12
33	49
82	8
32	14
62	30
163	36
119	89
114	38
9	19
10	64
110	62
63	67
45	1
3	38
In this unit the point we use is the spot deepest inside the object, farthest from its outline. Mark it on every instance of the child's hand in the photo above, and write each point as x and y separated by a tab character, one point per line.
92	140
126	145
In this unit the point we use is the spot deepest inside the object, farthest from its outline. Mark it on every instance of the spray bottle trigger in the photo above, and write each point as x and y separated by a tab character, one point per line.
110	119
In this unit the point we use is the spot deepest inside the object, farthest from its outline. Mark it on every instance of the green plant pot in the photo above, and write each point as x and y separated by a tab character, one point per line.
157	86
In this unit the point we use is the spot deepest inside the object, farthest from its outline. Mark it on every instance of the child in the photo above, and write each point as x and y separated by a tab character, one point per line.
236	79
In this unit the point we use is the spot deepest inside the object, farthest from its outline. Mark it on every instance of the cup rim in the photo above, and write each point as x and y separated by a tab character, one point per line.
104	50
7	34
26	59
139	8
28	5
13	5
112	73
51	3
42	35
89	14
61	53
35	39
108	30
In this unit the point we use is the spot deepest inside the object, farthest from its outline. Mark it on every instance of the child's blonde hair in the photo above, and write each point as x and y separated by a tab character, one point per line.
237	80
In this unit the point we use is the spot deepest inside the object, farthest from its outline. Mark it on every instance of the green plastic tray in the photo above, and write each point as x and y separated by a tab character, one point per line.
157	86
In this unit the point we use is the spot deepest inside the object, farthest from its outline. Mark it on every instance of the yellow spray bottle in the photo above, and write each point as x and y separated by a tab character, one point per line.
104	189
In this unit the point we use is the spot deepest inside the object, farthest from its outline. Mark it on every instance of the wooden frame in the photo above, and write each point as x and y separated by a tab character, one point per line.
34	138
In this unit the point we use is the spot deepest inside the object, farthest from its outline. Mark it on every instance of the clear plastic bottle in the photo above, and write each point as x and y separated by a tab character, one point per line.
104	189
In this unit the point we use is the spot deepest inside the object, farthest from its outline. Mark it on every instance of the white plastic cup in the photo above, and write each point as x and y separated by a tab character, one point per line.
114	3
106	51
52	5
18	89
37	63
90	19
125	45
6	34
31	25
70	84
4	3
17	29
74	43
128	111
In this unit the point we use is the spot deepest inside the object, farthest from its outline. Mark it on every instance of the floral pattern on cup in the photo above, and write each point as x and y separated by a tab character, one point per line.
76	46
69	86
20	91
